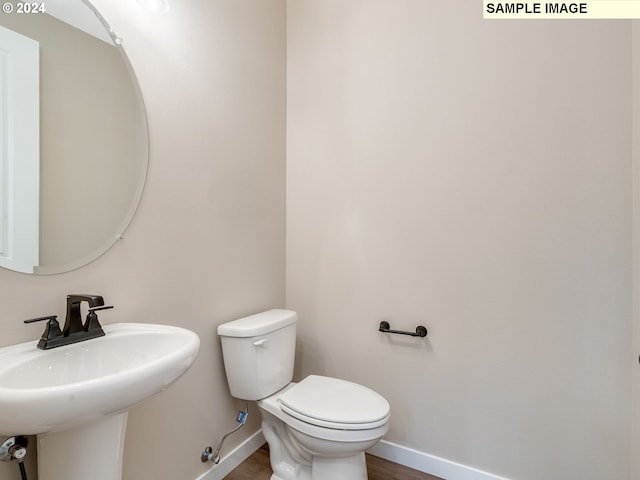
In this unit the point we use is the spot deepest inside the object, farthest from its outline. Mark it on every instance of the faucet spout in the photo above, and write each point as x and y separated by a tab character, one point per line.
73	321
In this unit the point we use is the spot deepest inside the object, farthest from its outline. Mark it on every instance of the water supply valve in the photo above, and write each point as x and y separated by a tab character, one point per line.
208	455
13	448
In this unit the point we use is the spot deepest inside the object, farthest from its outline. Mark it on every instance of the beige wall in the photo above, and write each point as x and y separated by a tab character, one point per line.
473	176
207	243
635	380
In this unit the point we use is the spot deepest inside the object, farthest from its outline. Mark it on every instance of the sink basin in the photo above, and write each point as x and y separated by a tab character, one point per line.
45	391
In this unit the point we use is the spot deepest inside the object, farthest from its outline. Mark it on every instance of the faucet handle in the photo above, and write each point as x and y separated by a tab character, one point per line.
42	319
92	324
52	331
95	309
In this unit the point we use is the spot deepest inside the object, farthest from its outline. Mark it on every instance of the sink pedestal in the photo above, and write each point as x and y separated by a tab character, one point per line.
91	451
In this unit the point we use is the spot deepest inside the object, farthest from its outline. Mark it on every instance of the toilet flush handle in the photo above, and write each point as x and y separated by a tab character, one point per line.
263	342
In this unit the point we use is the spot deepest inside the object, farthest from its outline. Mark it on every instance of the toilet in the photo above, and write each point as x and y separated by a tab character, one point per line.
317	429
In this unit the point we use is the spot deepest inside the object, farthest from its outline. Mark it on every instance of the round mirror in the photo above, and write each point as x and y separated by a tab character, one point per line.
74	141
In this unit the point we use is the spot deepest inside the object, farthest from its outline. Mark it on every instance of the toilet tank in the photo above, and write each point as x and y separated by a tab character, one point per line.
258	353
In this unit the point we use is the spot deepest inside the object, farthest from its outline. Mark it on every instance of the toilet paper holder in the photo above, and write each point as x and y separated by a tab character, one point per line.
384	327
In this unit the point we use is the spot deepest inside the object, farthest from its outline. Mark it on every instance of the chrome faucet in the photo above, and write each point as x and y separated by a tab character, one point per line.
74	330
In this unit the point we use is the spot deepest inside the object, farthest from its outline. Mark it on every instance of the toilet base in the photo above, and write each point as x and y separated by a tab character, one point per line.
291	461
345	468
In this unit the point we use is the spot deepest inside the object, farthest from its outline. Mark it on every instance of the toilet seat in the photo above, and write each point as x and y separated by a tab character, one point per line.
334	403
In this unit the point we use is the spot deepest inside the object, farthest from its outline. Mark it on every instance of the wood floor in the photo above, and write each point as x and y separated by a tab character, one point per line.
257	467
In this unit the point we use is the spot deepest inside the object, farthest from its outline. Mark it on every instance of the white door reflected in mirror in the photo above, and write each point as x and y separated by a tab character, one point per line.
19	151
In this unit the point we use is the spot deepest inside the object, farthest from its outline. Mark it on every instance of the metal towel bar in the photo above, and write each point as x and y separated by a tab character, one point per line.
421	331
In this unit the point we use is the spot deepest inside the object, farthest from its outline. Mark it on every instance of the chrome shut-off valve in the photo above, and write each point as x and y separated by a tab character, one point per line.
13	448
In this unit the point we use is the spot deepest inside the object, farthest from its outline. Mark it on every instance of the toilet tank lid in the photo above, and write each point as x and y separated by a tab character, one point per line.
258	324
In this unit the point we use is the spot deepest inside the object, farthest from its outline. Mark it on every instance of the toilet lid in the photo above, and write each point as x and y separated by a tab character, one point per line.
335	403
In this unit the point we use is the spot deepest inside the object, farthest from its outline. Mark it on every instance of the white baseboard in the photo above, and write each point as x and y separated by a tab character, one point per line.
234	458
430	464
393	452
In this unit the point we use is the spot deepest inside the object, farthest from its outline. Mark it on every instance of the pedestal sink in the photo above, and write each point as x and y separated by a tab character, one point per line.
75	398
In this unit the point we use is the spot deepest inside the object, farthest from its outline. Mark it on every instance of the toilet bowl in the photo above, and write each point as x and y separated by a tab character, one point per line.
319	434
317	429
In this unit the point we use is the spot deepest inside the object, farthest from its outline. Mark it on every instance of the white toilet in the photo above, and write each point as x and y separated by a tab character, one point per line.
317	429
